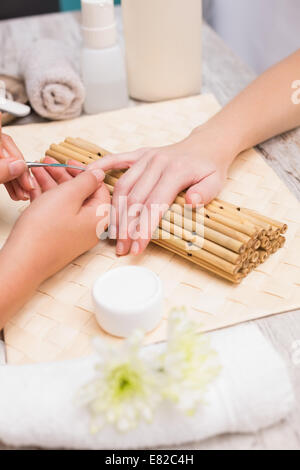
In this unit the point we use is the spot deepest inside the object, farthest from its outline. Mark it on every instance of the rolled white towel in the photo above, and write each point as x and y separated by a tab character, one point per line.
253	391
53	86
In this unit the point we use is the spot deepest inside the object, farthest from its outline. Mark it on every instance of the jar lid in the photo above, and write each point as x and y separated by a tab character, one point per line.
128	298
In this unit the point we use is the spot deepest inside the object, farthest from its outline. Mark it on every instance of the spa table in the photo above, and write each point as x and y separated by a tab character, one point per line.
224	75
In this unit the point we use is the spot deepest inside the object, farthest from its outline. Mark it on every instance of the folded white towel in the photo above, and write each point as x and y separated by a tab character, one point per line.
253	391
53	86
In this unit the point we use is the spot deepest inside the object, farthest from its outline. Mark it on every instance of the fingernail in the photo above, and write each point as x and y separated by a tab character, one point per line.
32	182
98	173
135	248
16	168
120	248
196	198
26	195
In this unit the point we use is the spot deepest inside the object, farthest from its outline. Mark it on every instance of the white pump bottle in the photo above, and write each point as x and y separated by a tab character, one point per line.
102	62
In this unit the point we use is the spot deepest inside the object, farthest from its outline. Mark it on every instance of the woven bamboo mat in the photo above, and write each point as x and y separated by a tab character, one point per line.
58	322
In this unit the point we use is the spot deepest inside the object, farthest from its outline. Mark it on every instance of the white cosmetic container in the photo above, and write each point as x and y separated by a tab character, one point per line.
128	298
102	63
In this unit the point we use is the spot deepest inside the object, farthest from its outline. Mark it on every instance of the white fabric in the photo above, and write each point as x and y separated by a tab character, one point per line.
253	391
54	88
261	32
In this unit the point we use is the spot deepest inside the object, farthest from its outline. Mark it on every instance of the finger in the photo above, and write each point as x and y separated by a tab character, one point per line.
156	205
100	195
82	187
204	191
35	193
11	191
60	175
98	207
12	150
119	161
44	179
19	192
10	169
119	202
26	181
138	194
73	172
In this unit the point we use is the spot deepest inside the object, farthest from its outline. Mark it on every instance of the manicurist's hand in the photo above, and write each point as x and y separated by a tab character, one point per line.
13	171
155	177
58	226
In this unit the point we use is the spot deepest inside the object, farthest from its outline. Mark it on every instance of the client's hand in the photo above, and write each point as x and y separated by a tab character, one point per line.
154	178
57	227
13	170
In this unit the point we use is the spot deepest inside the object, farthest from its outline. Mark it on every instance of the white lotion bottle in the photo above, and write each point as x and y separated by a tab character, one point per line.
102	62
163	41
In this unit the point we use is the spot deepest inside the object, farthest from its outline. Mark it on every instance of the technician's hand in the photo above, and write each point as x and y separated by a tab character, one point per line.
13	171
156	176
56	228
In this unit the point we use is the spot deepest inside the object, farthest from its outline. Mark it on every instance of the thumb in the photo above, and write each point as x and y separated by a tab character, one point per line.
205	191
84	185
11	169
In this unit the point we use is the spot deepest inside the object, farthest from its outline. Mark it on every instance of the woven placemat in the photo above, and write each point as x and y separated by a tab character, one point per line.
58	322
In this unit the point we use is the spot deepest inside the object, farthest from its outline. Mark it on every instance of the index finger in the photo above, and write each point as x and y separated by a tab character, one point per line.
118	161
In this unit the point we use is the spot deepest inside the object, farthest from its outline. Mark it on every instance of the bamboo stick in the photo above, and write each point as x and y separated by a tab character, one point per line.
187	234
250	231
58	156
263	255
256	244
175	245
262	234
246	264
283	227
282	241
239	240
83	152
239	212
265	243
214	206
255	257
70	154
84	144
202	255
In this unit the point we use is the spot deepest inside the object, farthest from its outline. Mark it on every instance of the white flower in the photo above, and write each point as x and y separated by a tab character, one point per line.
126	389
189	362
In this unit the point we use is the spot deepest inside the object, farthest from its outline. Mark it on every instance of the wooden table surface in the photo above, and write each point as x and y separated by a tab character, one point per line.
224	75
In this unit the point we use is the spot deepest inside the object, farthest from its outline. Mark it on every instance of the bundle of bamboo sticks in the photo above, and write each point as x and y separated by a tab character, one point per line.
225	239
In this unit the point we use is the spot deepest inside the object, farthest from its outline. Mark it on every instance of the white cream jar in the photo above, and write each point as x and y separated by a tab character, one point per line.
128	298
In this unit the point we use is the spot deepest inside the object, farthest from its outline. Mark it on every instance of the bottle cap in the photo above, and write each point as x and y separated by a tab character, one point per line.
98	23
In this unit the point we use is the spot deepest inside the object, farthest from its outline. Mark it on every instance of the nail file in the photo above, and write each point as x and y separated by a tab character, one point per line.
13	107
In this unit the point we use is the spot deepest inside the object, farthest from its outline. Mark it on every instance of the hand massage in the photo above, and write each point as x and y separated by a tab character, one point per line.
147	228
